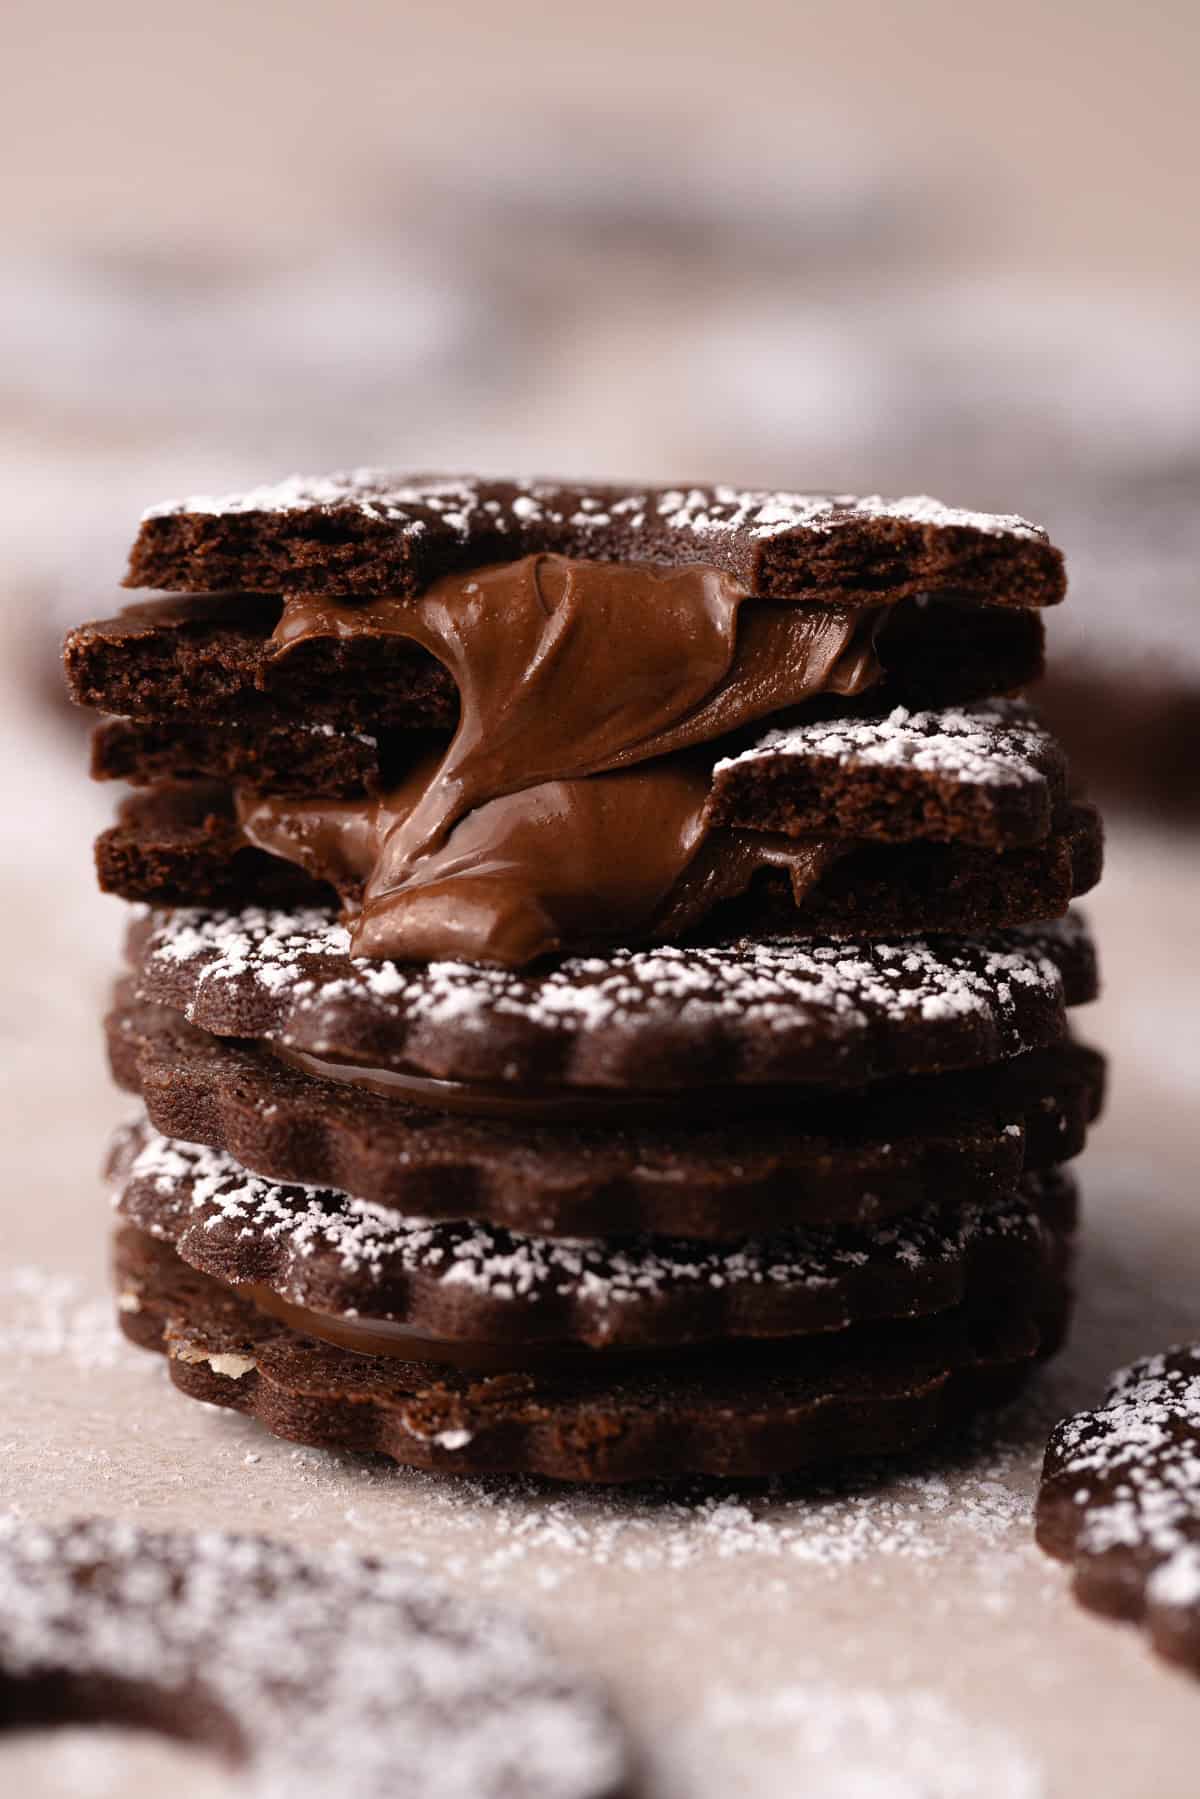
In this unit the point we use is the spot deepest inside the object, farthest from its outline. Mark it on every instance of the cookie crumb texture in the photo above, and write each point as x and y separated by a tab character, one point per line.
329	1675
371	531
1120	1501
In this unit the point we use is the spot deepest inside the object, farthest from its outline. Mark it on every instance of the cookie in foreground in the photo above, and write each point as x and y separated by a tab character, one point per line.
330	1674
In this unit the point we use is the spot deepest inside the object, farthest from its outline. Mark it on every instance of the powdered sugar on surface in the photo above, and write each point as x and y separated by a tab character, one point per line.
51	1316
339	1675
998	742
453	502
836	1742
371	1244
919	1512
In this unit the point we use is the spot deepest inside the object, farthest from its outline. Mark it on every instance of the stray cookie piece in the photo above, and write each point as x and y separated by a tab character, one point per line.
327	1675
1120	1499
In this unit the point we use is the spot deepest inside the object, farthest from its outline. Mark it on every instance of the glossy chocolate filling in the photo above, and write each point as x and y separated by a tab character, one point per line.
386	1337
570	810
547	1105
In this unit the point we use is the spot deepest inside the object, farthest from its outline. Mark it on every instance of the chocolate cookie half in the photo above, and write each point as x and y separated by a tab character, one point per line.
987	774
760	1410
835	1012
365	1277
374	531
714	1166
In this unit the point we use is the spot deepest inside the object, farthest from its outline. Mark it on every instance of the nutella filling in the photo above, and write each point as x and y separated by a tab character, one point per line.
549	1355
548	1105
570	808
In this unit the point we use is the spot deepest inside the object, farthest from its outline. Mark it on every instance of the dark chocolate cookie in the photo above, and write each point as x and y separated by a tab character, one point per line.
755	1411
1120	1501
373	531
987	774
209	660
182	846
836	1012
741	1163
469	1285
280	755
332	1674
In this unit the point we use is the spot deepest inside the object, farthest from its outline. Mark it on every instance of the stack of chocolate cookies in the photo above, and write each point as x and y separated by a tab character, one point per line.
599	988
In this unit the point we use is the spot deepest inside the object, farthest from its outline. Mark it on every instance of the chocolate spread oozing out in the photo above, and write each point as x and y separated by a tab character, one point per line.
570	808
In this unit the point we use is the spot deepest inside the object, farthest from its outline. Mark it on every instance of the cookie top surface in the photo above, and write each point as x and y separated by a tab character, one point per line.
996	742
416	504
832	1011
324	1674
370	530
468	1282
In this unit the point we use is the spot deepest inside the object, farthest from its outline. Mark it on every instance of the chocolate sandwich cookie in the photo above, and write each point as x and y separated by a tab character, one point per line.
757	1410
1120	1501
570	807
373	531
337	1675
187	845
557	817
366	1278
714	1167
836	1012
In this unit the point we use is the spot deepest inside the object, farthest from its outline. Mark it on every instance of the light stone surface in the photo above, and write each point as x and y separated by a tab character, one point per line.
900	1638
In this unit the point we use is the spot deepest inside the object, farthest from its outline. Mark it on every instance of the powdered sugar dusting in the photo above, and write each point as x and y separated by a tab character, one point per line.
998	742
844	988
918	1512
338	1675
381	1260
710	511
1132	1468
412	504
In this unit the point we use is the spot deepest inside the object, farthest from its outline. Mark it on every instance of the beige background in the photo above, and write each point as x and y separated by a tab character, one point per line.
936	244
